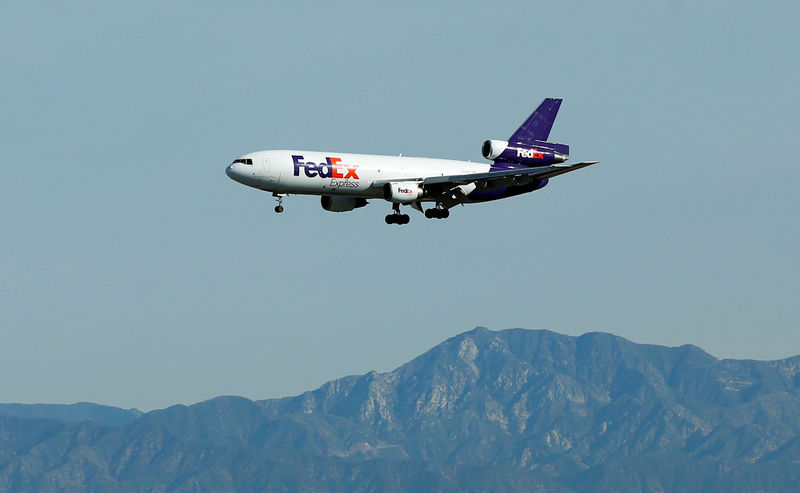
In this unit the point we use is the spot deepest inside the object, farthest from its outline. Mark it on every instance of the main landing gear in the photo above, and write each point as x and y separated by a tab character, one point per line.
395	217
279	197
437	213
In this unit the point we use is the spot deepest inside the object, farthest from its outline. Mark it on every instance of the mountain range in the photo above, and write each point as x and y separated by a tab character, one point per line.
511	410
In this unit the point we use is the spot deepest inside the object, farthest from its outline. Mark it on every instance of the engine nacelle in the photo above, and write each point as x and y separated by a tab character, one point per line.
334	203
492	149
402	192
539	153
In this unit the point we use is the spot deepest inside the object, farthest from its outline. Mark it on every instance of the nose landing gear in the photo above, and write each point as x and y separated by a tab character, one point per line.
279	197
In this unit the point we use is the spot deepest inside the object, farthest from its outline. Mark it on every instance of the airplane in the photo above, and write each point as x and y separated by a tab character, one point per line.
523	163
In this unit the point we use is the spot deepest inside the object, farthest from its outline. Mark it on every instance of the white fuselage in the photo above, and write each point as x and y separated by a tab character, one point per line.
336	173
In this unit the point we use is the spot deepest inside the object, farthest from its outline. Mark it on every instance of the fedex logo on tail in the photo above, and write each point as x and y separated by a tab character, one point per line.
331	168
530	153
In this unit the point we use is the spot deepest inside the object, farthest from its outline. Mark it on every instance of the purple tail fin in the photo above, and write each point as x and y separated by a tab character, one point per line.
538	125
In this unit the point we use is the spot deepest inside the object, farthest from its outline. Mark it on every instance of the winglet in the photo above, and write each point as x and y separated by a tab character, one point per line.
538	125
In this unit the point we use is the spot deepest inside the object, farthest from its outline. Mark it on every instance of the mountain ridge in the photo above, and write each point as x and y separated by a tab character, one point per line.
77	412
532	409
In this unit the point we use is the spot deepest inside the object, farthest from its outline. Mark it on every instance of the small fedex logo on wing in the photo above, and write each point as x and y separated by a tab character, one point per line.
331	168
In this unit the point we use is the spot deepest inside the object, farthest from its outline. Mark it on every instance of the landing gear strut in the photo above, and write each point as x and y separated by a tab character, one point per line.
279	197
395	217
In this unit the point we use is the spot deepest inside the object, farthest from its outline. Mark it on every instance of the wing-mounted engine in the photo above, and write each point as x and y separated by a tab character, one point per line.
538	153
341	204
402	192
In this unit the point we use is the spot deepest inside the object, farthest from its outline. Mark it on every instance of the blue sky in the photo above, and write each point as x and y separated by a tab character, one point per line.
135	273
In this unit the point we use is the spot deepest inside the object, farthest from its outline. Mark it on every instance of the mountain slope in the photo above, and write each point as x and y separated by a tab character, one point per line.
525	409
526	396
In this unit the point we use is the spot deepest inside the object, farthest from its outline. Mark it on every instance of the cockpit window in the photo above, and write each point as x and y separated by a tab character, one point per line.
243	161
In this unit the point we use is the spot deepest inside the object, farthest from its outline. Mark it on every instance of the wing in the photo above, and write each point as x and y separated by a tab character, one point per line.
491	176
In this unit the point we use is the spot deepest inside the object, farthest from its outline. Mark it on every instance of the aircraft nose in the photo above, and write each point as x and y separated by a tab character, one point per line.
244	174
235	172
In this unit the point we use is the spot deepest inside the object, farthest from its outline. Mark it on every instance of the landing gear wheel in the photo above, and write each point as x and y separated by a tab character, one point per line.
278	209
437	213
397	219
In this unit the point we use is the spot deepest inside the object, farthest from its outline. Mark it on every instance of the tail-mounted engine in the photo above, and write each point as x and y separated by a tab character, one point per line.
540	153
